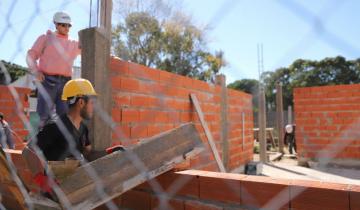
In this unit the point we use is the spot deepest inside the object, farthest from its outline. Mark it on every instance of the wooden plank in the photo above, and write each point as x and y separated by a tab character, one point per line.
207	132
221	80
12	196
122	171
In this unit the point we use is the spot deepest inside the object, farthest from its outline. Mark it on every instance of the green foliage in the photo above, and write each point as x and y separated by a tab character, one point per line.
250	86
309	73
173	44
15	71
303	73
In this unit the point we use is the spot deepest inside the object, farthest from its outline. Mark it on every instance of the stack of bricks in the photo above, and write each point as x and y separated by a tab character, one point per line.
219	191
328	123
149	101
12	109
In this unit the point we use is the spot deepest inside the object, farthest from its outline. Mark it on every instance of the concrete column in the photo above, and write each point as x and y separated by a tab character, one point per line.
221	80
262	125
280	115
95	57
290	115
105	17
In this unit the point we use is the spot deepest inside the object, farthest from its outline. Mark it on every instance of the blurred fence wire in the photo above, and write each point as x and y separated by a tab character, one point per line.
9	27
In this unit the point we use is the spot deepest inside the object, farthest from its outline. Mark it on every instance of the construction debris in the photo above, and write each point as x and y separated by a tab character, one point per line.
117	172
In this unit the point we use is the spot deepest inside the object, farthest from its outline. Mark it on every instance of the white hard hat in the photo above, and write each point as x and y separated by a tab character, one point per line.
62	17
289	128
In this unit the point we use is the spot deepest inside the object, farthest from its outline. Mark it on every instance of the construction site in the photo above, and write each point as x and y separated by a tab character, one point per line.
189	144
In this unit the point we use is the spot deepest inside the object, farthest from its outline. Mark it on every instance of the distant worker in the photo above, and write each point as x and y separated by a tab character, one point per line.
56	54
289	138
6	140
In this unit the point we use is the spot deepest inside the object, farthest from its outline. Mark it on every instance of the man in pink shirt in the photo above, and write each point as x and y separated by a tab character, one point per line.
51	59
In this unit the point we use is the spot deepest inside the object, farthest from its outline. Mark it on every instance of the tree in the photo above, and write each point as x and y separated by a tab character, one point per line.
250	86
302	73
308	73
15	71
170	42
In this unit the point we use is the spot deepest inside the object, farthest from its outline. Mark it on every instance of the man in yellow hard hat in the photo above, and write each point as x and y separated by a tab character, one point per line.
68	134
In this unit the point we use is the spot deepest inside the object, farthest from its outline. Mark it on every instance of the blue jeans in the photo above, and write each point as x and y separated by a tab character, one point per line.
53	87
5	132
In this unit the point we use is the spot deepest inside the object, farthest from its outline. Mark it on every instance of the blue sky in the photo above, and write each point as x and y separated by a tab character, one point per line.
288	29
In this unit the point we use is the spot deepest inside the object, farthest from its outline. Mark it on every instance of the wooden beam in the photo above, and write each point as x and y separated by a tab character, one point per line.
207	132
122	171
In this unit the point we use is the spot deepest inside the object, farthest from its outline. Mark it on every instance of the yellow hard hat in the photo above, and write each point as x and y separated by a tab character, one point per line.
78	87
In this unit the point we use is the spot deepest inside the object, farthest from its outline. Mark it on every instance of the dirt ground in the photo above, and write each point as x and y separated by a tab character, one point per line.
287	167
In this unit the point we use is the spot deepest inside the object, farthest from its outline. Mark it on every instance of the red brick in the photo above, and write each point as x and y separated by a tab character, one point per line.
161	117
264	192
196	205
5	94
121	100
119	66
143	72
355	197
186	116
223	190
170	78
183	93
136	200
121	132
139	131
147	116
116	114
174	104
130	84
179	184
154	129
130	115
116	82
139	100
174	117
315	195
168	203
187	82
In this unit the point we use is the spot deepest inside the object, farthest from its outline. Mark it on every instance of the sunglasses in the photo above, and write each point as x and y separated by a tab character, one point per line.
64	25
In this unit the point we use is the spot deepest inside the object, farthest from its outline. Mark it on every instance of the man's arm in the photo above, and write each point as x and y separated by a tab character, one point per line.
34	54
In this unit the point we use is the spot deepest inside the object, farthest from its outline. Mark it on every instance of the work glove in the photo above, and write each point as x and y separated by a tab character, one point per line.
114	149
45	185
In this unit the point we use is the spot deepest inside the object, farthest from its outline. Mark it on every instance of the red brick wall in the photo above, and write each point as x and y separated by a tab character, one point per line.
8	106
148	101
195	189
212	190
328	122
